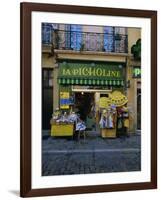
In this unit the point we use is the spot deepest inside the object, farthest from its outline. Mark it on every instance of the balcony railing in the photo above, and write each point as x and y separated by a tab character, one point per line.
87	41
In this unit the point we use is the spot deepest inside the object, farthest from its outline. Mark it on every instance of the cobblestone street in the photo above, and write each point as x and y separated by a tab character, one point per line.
64	156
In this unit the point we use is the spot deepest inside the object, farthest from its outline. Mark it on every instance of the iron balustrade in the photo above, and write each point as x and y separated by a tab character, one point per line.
88	41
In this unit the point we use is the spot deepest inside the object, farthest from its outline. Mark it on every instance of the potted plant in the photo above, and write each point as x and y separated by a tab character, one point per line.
136	50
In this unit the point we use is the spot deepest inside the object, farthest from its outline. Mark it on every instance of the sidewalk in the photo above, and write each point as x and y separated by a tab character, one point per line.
92	141
92	155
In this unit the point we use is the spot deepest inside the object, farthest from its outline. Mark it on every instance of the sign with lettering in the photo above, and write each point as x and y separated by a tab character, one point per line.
64	100
136	72
88	71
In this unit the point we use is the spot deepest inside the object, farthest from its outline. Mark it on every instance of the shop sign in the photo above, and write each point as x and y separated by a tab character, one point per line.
64	100
136	72
86	70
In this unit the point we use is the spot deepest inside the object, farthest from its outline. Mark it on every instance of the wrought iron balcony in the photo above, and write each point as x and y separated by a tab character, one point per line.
88	41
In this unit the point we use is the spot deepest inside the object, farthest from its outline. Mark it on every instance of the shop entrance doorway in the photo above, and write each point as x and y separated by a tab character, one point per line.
84	104
47	98
87	104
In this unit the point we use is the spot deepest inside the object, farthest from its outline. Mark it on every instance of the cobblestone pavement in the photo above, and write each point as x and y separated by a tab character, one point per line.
64	156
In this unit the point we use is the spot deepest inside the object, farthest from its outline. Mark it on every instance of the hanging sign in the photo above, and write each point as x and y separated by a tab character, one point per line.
136	73
64	100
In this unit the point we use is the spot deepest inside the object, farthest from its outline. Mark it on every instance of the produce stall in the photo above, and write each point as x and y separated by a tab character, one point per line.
63	124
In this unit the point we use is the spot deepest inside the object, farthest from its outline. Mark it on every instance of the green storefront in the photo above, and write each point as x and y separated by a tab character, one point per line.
87	81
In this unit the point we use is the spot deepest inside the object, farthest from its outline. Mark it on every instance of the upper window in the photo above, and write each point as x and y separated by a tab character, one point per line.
47	32
73	36
109	39
115	39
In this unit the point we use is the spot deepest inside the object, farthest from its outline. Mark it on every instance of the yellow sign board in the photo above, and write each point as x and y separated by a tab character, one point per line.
64	95
64	100
64	106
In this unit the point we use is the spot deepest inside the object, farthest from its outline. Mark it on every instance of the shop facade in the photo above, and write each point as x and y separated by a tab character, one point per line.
88	76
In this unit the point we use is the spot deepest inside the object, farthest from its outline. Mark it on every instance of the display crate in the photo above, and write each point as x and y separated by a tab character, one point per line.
108	133
62	129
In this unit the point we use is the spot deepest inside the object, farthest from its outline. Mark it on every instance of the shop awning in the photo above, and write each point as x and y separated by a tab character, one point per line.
70	81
